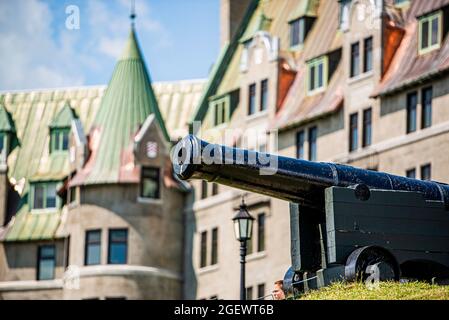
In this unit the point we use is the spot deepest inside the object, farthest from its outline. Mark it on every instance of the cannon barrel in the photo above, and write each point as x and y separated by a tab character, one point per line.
294	180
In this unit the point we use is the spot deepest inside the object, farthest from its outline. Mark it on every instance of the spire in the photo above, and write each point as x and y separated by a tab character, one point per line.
128	101
132	15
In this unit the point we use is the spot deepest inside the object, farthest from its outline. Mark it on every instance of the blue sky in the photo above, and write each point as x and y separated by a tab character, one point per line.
179	39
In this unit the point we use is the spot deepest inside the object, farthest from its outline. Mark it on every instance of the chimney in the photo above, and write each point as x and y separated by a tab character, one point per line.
4	187
231	14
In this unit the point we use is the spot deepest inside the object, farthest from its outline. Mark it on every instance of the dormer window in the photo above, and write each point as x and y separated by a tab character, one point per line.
220	109
59	139
43	195
60	129
317	75
430	32
299	28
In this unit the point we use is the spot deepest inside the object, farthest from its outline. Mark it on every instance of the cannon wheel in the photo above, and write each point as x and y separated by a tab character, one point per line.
360	261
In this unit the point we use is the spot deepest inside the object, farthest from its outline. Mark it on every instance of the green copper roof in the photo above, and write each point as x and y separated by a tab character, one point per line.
128	101
64	118
6	123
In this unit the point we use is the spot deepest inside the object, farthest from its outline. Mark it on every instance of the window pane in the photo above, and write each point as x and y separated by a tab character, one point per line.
38	197
264	95
261	232
300	139
302	31
118	246
411	173
367	127
93	247
260	290
203	189
249	293
51	195
203	249
252	99
355	59
368	56
46	263
150	183
320	75
425	35
214	256
93	254
435	31
426	172
65	140
214	189
412	101
294	33
427	108
353	132
312	144
312	78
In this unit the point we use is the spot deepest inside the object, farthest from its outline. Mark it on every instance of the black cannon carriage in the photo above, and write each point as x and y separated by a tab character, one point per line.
343	221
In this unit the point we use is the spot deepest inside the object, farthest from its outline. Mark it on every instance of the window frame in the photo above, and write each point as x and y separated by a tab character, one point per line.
300	144
298	41
87	244
58	133
220	110
368	50
39	258
314	63
423	168
429	18
33	186
252	99
214	246
409	172
354	67
409	128
261	232
263	103
353	132
142	177
424	107
110	231
203	249
367	125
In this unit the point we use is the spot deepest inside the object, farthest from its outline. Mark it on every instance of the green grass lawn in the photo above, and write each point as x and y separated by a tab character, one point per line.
385	291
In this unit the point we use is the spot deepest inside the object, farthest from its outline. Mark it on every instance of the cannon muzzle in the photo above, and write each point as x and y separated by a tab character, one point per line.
293	180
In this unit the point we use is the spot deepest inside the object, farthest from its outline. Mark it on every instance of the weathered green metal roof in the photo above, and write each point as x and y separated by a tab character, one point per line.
6	124
64	118
128	101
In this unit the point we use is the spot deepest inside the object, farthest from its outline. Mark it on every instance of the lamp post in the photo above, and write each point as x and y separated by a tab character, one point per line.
243	226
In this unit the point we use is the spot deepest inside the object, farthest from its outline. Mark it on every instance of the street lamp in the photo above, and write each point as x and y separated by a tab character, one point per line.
243	226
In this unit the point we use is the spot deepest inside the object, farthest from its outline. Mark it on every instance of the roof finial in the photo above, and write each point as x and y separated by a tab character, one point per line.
132	15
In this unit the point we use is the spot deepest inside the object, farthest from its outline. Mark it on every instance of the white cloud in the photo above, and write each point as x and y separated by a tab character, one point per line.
30	57
35	55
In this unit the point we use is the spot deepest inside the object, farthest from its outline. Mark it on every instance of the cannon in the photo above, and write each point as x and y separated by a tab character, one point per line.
345	223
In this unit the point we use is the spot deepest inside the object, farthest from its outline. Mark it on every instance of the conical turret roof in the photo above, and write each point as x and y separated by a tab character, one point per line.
129	99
